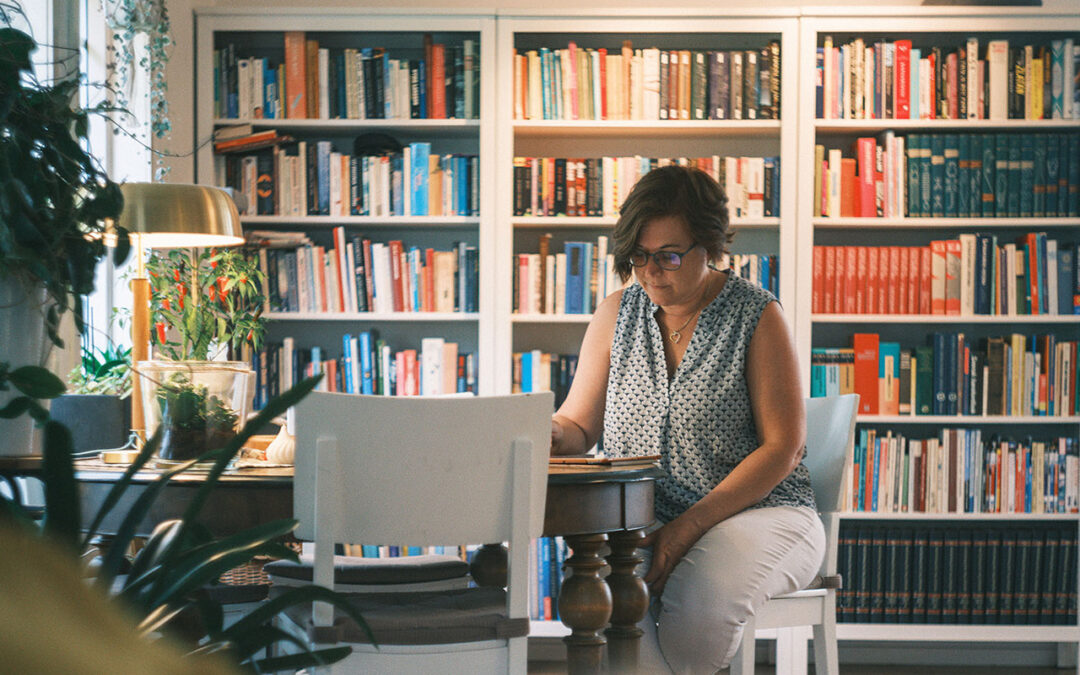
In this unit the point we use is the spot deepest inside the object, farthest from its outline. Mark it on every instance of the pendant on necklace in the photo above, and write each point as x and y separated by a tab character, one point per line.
675	336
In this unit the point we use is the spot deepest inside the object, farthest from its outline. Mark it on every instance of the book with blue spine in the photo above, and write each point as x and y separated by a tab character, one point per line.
526	372
963	180
914	147
951	176
1001	175
346	353
322	159
1028	186
974	184
1066	268
420	151
1053	174
367	375
937	176
1041	188
588	286
421	80
270	90
1012	199
575	276
1071	195
939	377
988	180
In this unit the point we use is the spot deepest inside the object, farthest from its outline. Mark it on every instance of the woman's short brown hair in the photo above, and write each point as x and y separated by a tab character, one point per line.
680	191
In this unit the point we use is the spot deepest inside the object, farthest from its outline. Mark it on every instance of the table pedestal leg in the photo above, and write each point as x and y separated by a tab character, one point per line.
585	604
631	601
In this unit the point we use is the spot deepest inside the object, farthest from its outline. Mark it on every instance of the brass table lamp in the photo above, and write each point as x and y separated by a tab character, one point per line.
168	215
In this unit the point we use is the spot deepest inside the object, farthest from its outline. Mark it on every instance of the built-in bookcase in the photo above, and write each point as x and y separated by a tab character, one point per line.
881	535
559	114
372	67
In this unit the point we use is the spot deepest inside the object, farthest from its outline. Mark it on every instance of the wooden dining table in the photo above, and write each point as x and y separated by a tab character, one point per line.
600	510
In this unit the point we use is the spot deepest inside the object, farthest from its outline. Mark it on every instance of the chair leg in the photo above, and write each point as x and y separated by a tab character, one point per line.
517	659
743	663
826	657
791	650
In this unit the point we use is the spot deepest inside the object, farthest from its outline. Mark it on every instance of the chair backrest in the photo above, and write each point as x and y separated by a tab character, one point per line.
421	471
830	435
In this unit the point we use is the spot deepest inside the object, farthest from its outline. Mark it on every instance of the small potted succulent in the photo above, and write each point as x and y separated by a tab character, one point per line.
205	307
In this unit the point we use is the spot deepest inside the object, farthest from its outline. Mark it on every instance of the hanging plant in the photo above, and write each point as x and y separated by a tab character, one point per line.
128	19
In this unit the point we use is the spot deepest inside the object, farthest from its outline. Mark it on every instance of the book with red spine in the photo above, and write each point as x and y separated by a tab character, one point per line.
884	265
903	301
828	286
861	279
849	194
866	152
953	90
873	262
952	276
902	70
429	280
866	371
894	279
937	276
438	78
912	279
851	269
817	289
926	298
395	248
602	54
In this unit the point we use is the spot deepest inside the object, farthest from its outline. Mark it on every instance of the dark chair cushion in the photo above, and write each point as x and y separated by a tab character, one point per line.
361	571
442	617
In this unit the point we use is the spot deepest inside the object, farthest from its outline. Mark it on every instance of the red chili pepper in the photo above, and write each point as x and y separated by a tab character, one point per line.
160	332
165	304
251	335
213	293
180	300
176	274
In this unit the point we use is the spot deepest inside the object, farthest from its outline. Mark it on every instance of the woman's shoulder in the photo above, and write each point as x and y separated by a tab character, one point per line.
744	290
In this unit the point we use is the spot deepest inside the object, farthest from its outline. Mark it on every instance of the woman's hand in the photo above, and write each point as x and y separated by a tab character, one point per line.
669	544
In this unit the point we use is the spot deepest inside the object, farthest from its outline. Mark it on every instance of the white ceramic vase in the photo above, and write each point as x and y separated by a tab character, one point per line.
22	343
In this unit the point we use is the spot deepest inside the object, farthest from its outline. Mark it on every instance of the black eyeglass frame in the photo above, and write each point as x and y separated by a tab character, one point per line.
655	258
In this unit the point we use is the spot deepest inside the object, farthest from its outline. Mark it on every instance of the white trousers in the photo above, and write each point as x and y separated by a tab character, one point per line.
696	625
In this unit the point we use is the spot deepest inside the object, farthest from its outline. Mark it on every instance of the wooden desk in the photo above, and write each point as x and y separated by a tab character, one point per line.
590	506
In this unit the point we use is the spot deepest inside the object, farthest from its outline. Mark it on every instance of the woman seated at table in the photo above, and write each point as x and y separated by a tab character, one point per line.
698	366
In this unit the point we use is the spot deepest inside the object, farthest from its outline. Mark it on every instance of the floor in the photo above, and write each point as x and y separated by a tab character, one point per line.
554	667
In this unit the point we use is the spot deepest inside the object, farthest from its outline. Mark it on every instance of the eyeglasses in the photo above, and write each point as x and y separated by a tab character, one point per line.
665	260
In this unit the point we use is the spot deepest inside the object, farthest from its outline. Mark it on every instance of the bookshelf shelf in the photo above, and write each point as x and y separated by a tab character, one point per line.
927	223
364	221
405	317
551	318
970	420
1012	517
645	128
847	126
956	633
931	319
600	221
331	126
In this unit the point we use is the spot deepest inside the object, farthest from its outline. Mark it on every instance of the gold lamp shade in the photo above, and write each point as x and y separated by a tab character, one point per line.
173	215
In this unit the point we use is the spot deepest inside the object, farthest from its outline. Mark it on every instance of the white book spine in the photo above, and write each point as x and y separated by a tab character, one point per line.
972	55
998	74
431	351
560	283
324	84
549	284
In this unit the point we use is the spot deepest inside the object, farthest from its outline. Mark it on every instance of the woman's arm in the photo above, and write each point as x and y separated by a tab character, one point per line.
576	426
772	377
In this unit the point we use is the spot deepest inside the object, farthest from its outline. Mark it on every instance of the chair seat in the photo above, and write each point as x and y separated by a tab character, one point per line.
464	615
817	586
355	571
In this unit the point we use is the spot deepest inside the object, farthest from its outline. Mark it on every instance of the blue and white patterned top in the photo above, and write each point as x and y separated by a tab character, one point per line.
700	421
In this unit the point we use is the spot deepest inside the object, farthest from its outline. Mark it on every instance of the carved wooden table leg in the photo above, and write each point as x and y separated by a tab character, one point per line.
630	597
585	604
489	565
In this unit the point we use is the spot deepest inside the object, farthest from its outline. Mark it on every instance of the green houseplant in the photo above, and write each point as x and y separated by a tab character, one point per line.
203	304
54	201
97	405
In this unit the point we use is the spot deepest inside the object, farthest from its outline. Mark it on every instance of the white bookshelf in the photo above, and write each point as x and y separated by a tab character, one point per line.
674	29
262	30
946	26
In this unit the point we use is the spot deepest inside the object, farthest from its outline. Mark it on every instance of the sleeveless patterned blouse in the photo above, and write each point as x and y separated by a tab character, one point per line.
700	421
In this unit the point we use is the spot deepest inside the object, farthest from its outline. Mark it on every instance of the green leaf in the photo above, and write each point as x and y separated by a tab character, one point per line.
15	407
260	637
62	518
123	246
292	597
36	382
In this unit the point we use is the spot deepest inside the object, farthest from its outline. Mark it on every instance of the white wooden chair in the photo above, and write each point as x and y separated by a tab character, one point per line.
830	435
424	471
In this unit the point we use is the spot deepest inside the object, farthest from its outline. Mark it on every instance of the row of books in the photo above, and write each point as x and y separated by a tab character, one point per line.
536	370
366	364
1019	375
402	551
557	186
950	175
547	555
298	179
357	274
311	82
949	574
571	282
861	79
960	471
970	275
578	83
